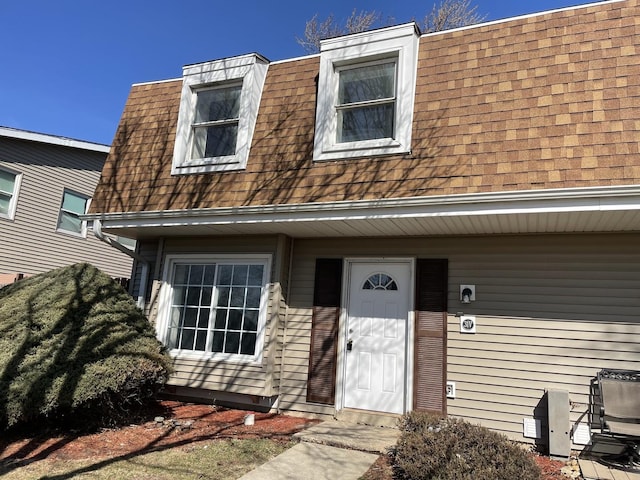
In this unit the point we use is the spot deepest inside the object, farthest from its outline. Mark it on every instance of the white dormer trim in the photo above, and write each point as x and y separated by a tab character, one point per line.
248	70
398	44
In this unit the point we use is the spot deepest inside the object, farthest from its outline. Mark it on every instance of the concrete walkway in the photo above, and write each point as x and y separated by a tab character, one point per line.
328	451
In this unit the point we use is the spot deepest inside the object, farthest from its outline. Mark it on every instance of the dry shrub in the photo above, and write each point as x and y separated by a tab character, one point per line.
437	448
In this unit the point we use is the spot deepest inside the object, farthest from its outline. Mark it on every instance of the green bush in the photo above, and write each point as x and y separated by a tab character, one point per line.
437	448
73	344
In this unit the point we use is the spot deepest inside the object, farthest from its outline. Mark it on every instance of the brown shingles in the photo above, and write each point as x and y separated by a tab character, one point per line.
549	101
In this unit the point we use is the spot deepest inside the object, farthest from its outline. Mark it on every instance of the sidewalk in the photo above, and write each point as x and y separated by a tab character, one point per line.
329	450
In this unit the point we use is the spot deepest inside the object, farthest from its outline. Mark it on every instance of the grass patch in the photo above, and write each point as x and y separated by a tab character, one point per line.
217	460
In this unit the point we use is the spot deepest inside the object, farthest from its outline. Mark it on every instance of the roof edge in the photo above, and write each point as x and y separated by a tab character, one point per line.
52	139
522	17
569	199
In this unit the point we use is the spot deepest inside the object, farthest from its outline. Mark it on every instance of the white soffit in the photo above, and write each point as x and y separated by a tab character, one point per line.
550	211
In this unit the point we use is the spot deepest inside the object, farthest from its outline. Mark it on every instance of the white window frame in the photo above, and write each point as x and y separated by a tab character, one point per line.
13	201
166	294
248	70
399	44
83	224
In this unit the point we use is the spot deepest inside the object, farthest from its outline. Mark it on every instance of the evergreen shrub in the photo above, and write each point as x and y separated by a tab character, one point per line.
74	346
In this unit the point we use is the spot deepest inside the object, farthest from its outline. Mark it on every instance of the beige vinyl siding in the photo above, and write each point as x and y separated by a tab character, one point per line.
30	242
551	311
227	376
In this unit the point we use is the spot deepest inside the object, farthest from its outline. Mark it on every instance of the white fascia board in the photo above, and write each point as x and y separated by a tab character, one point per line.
500	203
52	139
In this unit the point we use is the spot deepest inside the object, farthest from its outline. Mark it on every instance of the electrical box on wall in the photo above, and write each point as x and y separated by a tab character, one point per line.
451	389
467	324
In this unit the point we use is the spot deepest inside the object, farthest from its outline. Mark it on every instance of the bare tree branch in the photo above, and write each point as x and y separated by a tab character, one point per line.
451	14
357	22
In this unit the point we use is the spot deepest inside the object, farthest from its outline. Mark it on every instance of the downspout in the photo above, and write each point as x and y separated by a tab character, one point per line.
144	274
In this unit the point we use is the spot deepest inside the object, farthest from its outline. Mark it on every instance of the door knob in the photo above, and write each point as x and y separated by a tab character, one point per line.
350	345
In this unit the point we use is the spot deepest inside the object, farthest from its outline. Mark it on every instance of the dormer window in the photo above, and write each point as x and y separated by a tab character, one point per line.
218	110
215	128
366	91
366	102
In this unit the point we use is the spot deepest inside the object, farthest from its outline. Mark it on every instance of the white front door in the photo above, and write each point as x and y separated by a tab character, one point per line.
376	333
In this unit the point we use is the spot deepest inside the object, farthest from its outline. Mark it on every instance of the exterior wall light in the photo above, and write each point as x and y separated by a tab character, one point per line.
467	293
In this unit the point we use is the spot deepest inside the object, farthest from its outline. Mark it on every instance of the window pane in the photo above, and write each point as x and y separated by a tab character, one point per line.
248	346
218	341
253	297
179	294
205	299
172	338
365	123
201	340
367	83
224	274
209	274
195	276
251	320
176	315
232	344
223	296
235	320
5	201
203	318
7	182
240	274
221	319
186	342
215	141
70	222
218	104
180	274
74	203
237	297
255	275
190	316
193	296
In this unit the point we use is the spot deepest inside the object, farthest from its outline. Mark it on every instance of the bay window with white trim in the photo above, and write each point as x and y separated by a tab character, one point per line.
215	307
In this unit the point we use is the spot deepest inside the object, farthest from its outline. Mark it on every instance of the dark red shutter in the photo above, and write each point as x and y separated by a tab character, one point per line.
321	383
431	336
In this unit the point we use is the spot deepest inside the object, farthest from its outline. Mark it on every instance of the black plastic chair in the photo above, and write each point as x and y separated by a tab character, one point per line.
620	414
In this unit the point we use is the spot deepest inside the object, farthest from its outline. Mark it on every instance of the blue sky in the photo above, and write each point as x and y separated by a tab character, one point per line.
66	66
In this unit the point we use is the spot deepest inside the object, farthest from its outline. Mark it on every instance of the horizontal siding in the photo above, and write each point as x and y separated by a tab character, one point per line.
551	311
30	241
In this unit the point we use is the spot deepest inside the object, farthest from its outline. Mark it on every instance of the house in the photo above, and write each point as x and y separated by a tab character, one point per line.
445	222
46	183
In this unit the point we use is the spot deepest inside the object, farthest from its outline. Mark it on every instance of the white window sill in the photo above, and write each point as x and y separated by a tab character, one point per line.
216	357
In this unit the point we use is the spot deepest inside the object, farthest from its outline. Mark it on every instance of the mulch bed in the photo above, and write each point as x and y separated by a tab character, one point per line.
181	424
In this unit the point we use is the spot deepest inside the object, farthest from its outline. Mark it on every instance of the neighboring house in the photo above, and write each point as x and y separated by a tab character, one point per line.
46	184
347	232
